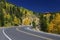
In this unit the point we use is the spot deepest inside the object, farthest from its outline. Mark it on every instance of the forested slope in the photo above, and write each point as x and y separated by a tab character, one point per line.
12	15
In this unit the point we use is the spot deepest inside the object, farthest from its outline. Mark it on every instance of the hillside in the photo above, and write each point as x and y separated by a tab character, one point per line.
12	15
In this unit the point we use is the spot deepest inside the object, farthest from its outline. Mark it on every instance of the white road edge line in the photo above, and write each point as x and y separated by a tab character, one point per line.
6	35
33	34
43	32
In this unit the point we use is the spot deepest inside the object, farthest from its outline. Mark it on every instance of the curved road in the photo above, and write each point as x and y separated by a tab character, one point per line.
23	33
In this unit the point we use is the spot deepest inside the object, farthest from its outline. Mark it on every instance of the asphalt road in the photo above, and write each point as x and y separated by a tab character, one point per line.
2	36
22	33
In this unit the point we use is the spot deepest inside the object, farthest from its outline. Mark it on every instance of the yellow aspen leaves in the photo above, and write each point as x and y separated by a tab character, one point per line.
26	21
16	20
36	20
54	25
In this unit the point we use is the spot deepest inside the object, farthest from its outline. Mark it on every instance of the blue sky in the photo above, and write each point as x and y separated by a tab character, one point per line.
38	5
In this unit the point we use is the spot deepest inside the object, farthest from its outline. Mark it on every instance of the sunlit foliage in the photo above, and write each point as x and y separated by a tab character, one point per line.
26	21
12	15
54	25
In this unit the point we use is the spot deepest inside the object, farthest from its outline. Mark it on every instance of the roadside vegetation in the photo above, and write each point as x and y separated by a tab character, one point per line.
12	15
50	22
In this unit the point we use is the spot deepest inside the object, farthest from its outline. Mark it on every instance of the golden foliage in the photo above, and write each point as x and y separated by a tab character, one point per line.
54	26
26	21
36	20
16	20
